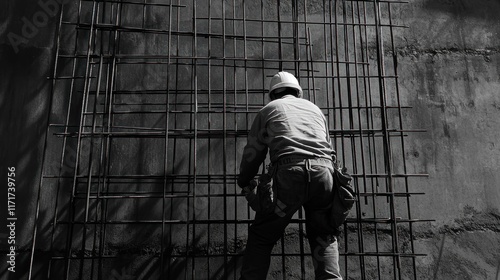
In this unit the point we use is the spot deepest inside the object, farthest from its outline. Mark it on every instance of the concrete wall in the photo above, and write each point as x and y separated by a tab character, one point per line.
450	73
449	68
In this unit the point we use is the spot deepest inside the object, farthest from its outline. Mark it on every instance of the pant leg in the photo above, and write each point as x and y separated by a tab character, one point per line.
267	229
325	255
262	235
322	239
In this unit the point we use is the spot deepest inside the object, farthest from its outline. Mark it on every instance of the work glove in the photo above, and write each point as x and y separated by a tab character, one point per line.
250	193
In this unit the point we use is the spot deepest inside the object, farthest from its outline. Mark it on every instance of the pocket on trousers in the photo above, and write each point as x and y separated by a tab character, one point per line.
290	184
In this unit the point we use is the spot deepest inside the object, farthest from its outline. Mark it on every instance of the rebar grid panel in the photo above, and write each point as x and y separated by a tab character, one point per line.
151	107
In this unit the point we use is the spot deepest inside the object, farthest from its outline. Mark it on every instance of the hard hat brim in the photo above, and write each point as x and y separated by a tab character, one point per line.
286	84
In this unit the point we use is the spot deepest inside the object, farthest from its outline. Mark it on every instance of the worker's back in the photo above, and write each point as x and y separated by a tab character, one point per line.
295	126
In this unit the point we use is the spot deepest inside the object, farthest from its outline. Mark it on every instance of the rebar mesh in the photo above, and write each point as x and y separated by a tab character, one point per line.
151	106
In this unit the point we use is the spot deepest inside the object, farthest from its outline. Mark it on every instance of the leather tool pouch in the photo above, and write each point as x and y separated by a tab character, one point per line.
343	198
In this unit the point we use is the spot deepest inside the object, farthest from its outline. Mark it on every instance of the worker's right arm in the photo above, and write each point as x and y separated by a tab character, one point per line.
254	152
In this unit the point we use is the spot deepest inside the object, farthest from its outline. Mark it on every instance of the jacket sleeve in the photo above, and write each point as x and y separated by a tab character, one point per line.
254	152
329	140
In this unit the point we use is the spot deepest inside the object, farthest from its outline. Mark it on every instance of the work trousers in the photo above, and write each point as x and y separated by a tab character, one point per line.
304	183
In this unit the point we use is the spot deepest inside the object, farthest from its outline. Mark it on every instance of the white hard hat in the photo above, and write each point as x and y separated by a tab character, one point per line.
284	80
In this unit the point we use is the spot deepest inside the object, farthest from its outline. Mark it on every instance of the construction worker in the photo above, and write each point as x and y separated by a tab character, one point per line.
295	132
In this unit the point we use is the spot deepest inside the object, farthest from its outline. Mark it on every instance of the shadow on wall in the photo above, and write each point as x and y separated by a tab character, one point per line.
136	246
25	62
23	110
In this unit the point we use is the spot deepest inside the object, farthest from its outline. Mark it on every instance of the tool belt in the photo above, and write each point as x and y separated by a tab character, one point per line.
294	160
261	196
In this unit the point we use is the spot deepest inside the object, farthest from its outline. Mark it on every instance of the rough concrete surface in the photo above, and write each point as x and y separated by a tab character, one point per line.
449	68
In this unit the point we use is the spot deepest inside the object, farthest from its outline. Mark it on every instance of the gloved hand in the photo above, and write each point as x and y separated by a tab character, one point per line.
250	193
259	194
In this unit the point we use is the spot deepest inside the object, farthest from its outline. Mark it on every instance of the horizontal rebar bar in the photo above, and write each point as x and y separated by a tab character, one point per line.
151	194
288	254
229	177
237	221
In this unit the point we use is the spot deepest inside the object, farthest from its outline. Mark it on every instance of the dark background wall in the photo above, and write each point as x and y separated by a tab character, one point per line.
24	105
449	65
